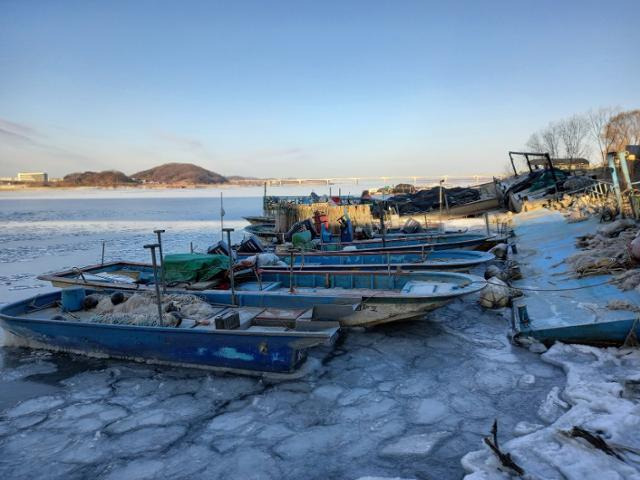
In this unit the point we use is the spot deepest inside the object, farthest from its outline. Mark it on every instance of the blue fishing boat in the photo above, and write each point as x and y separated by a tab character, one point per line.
383	296
438	242
263	230
443	260
260	220
238	339
603	333
398	234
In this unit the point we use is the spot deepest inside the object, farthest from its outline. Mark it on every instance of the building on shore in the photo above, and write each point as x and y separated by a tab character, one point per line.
562	163
40	177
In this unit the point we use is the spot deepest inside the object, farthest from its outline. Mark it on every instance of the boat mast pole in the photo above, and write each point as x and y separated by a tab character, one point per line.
222	220
159	234
291	270
440	202
152	247
382	227
231	277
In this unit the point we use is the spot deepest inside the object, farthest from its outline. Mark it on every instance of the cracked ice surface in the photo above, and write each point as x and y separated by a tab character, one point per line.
406	400
601	396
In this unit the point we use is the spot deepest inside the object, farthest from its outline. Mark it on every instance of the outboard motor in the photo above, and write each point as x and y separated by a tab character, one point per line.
346	229
219	248
411	226
251	244
299	227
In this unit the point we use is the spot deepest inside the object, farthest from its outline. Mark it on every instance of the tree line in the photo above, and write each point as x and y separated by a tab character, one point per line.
604	130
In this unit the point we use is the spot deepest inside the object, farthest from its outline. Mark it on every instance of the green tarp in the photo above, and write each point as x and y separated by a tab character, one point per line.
193	267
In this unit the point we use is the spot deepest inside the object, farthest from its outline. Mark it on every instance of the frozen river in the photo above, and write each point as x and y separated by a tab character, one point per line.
404	400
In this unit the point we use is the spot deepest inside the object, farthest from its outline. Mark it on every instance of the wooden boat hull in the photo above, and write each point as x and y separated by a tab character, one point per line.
470	209
263	231
229	350
260	220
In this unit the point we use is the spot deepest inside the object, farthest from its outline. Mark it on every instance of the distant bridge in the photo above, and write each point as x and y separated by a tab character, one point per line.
413	179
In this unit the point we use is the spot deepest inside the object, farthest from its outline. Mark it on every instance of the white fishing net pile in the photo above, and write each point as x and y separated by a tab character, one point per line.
606	252
141	309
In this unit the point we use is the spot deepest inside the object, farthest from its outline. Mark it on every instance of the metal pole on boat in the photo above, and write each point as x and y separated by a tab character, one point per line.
222	220
152	247
231	277
191	247
159	234
389	263
264	200
440	202
486	223
291	270
102	258
382	227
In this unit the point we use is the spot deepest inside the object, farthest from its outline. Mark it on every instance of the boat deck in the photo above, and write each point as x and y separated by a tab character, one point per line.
544	239
252	319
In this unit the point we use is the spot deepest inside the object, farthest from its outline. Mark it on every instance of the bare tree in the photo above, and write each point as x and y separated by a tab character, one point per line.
550	137
598	122
573	135
534	144
623	129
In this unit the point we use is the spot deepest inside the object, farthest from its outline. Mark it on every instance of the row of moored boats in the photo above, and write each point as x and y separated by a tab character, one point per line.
250	309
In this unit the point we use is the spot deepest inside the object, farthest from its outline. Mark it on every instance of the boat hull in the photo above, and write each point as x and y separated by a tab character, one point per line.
394	296
406	245
443	260
240	351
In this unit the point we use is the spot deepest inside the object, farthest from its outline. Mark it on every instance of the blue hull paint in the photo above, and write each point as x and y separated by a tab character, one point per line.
604	333
467	240
225	349
410	261
397	234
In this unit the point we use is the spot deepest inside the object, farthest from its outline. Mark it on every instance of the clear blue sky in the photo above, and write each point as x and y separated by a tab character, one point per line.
302	88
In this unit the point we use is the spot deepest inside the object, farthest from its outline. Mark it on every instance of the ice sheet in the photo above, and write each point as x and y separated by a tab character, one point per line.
603	398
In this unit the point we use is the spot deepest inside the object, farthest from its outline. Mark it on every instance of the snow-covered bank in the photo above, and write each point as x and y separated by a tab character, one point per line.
602	396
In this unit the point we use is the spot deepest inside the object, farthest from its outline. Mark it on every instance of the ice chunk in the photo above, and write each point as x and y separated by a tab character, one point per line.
231	421
133	443
552	407
494	380
35	405
352	396
311	441
383	478
328	392
414	445
429	410
27	370
275	432
526	380
525	428
140	469
372	409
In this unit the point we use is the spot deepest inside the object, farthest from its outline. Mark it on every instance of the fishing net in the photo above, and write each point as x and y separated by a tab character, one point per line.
193	267
608	253
141	309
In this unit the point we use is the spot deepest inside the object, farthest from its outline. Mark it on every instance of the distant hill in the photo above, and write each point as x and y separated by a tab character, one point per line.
106	178
185	173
